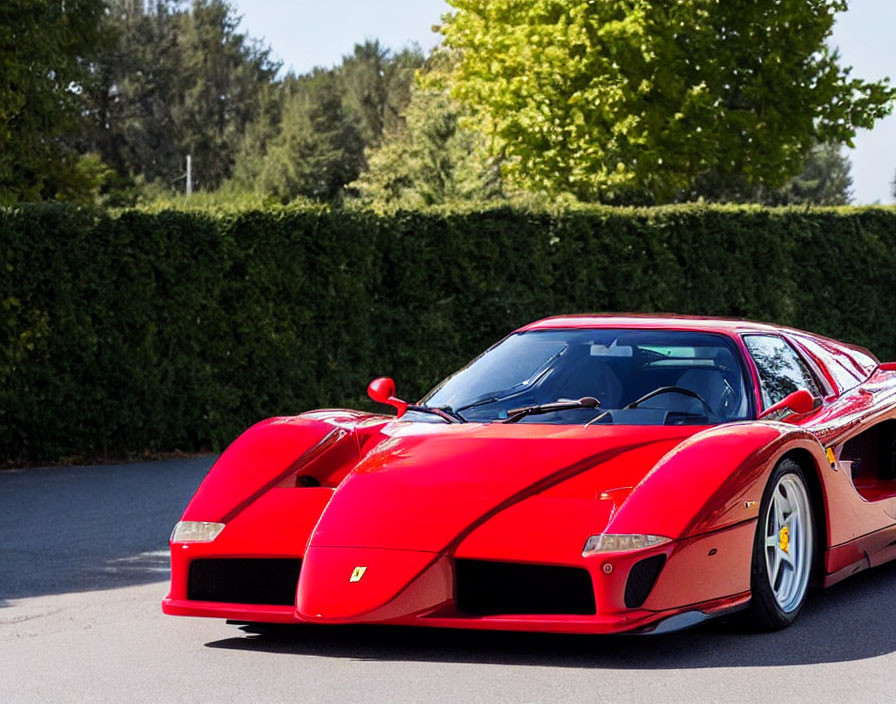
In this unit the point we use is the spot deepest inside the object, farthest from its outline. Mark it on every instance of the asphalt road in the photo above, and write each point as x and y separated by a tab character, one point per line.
83	569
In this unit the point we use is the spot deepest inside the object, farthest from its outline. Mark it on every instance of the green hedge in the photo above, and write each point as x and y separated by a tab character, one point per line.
176	330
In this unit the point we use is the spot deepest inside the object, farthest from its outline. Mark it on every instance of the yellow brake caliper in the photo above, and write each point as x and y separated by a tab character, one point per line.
784	538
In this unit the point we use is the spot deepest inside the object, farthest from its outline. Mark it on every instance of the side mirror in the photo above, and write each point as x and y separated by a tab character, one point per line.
382	390
798	403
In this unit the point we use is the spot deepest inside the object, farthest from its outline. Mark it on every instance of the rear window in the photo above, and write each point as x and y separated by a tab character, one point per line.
848	370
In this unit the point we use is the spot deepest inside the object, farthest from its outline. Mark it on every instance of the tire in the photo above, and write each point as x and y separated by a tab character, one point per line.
783	550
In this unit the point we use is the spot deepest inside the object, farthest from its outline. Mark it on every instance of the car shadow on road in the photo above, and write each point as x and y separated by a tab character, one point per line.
851	621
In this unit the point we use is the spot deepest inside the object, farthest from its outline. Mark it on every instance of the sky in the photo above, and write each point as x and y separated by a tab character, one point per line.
308	33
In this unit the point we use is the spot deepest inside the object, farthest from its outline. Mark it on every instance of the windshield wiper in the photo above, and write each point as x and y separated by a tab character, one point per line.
494	397
446	413
487	400
515	414
516	390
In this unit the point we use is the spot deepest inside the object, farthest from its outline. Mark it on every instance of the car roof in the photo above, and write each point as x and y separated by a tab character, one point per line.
726	326
864	362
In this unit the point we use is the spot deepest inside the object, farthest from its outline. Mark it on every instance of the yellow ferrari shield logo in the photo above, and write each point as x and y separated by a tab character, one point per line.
357	573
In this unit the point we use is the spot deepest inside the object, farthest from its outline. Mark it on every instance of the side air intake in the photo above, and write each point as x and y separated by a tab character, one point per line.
641	580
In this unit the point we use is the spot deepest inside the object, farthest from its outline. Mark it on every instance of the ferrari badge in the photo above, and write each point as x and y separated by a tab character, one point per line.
357	573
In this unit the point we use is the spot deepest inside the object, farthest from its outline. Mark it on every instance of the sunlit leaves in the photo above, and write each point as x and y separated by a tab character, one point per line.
640	101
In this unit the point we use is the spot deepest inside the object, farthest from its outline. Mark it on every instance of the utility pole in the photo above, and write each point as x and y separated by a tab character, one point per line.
189	175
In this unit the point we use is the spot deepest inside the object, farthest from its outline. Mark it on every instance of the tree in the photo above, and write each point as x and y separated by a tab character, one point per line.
377	87
45	47
224	73
317	150
260	135
174	81
430	160
825	180
642	101
132	91
309	137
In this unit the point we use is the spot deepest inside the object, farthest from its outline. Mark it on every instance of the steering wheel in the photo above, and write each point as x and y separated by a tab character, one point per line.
672	390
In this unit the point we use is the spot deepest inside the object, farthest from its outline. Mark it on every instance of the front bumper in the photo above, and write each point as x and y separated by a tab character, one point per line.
703	576
636	621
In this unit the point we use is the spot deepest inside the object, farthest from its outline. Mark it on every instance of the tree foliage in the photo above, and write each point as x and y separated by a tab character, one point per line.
45	47
622	101
223	75
824	180
430	160
310	138
317	150
644	101
174	80
376	85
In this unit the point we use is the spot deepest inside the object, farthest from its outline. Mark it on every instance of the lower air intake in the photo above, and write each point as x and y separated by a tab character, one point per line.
641	580
494	588
271	582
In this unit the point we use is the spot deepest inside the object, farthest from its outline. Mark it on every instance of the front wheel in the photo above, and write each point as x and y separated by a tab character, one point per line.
783	550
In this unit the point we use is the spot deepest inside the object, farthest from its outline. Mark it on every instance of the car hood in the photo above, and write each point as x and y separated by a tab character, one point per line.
425	487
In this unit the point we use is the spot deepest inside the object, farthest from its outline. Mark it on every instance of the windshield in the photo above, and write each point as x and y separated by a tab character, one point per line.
690	377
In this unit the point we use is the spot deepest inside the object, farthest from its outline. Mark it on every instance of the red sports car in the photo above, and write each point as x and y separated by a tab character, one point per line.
593	474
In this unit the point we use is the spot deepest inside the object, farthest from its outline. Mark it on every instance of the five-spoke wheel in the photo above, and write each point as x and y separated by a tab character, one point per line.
784	548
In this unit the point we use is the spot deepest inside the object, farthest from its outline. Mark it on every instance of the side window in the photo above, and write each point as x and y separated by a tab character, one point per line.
781	371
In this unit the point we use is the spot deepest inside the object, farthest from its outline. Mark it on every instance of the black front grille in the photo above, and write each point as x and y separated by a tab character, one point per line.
270	581
641	580
492	588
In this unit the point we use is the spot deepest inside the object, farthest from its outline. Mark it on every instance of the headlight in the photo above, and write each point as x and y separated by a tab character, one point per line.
620	543
195	532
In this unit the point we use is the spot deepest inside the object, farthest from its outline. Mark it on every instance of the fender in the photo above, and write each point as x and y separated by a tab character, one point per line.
272	450
724	469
